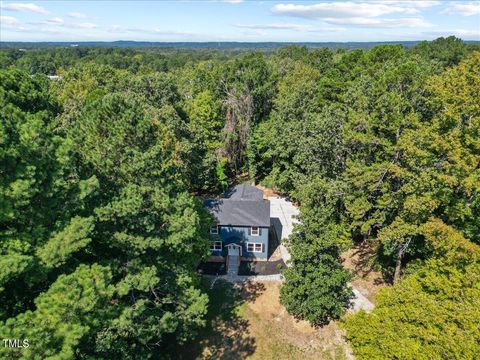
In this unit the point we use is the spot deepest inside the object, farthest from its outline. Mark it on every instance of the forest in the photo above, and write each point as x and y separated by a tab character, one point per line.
103	170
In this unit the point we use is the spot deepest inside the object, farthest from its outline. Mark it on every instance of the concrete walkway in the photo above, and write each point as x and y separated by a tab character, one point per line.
242	278
233	264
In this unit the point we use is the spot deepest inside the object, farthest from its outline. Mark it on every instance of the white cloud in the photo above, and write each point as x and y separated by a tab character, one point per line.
339	10
11	23
77	15
363	14
380	22
286	26
464	9
8	20
418	4
24	7
55	21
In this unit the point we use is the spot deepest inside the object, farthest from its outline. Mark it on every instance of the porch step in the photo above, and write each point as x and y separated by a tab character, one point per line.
233	264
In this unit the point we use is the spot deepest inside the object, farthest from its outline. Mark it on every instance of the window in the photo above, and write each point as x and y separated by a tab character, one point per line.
254	247
255	231
214	229
216	245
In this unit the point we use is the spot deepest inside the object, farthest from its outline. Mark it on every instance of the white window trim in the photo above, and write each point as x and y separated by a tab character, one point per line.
212	231
215	244
257	233
254	247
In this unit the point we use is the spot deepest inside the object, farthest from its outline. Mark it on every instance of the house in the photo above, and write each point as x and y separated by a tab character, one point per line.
242	224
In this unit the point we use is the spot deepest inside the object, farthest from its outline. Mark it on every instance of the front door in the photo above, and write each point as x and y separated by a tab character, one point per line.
233	250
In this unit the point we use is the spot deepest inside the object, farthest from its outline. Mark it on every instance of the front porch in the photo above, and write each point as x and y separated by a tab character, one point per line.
246	266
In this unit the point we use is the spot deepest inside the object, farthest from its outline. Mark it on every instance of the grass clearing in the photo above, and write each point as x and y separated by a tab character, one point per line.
247	322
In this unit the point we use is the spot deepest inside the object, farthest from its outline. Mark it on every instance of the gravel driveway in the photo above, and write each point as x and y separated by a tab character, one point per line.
283	215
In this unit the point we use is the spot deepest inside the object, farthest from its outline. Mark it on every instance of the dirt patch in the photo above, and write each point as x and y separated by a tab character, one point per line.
358	260
279	336
247	321
267	192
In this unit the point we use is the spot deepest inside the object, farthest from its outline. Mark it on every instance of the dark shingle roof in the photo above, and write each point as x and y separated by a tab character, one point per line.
243	206
244	192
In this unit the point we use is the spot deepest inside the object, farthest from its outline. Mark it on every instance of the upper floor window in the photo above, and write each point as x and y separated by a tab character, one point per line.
255	231
214	229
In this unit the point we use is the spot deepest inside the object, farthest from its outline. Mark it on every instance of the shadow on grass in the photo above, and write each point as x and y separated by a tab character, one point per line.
226	335
364	264
250	290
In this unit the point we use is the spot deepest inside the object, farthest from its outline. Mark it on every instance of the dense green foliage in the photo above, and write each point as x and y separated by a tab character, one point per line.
101	228
99	236
433	313
316	284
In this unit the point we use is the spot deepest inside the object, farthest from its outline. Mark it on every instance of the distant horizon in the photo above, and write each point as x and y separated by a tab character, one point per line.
227	41
238	21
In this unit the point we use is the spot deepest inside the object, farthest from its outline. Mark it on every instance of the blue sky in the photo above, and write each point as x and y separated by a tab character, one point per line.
237	20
